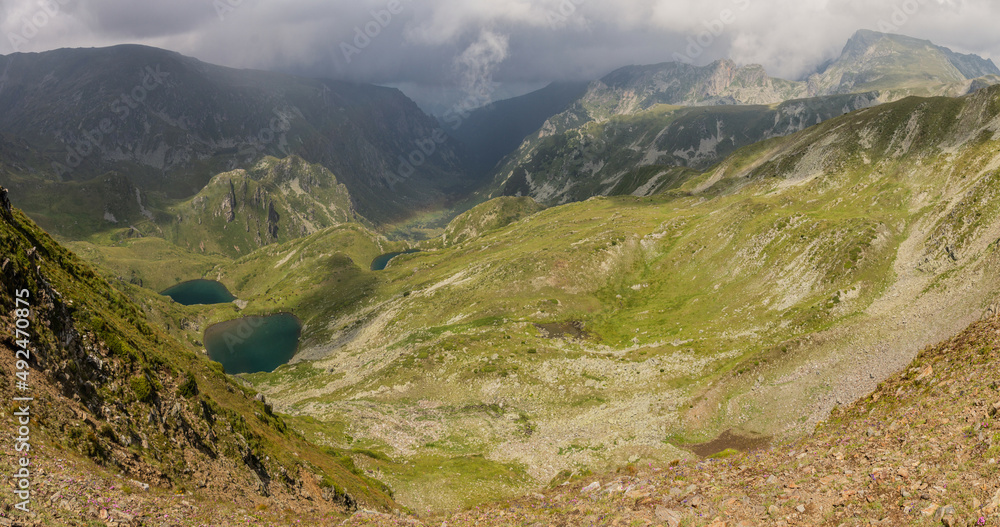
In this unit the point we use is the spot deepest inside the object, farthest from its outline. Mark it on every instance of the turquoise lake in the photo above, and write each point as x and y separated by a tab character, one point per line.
254	344
380	263
199	292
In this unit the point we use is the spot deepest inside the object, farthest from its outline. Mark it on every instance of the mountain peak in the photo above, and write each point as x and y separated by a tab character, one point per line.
863	39
872	60
866	43
173	122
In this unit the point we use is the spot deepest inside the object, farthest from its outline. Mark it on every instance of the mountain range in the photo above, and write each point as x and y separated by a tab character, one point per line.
172	122
593	299
639	123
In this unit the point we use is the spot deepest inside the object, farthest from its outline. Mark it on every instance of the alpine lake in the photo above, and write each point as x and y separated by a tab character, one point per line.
245	345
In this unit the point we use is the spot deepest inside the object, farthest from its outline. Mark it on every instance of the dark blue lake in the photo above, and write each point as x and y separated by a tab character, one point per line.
254	344
379	264
199	292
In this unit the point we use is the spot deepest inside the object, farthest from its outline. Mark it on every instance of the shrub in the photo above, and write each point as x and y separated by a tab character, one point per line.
372	454
189	387
142	388
727	453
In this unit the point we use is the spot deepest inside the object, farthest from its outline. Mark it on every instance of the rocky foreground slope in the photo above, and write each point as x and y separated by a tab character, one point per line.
922	449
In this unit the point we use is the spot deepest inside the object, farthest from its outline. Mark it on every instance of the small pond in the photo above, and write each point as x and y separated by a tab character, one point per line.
379	264
254	344
199	292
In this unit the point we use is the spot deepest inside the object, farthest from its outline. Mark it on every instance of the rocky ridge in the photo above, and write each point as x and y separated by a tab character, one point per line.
243	210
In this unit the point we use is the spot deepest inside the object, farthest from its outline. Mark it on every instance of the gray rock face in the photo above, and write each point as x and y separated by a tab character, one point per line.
637	88
272	220
5	207
229	204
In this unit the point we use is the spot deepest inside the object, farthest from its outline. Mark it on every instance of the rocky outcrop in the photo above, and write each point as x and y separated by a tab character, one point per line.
272	221
5	208
873	60
638	88
229	204
257	207
274	201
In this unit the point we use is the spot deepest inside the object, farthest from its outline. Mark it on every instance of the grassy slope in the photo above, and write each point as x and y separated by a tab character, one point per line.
319	276
150	262
925	440
490	216
757	296
76	209
316	275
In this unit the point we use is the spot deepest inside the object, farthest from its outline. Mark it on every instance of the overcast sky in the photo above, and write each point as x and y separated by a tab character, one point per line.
492	48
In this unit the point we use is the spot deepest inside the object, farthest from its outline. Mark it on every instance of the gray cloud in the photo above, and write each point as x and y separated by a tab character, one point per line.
476	66
419	42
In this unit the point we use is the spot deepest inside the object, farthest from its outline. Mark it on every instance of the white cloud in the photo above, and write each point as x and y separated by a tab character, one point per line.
547	39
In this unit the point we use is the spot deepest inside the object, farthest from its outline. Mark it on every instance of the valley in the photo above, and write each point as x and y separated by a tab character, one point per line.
672	255
738	300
